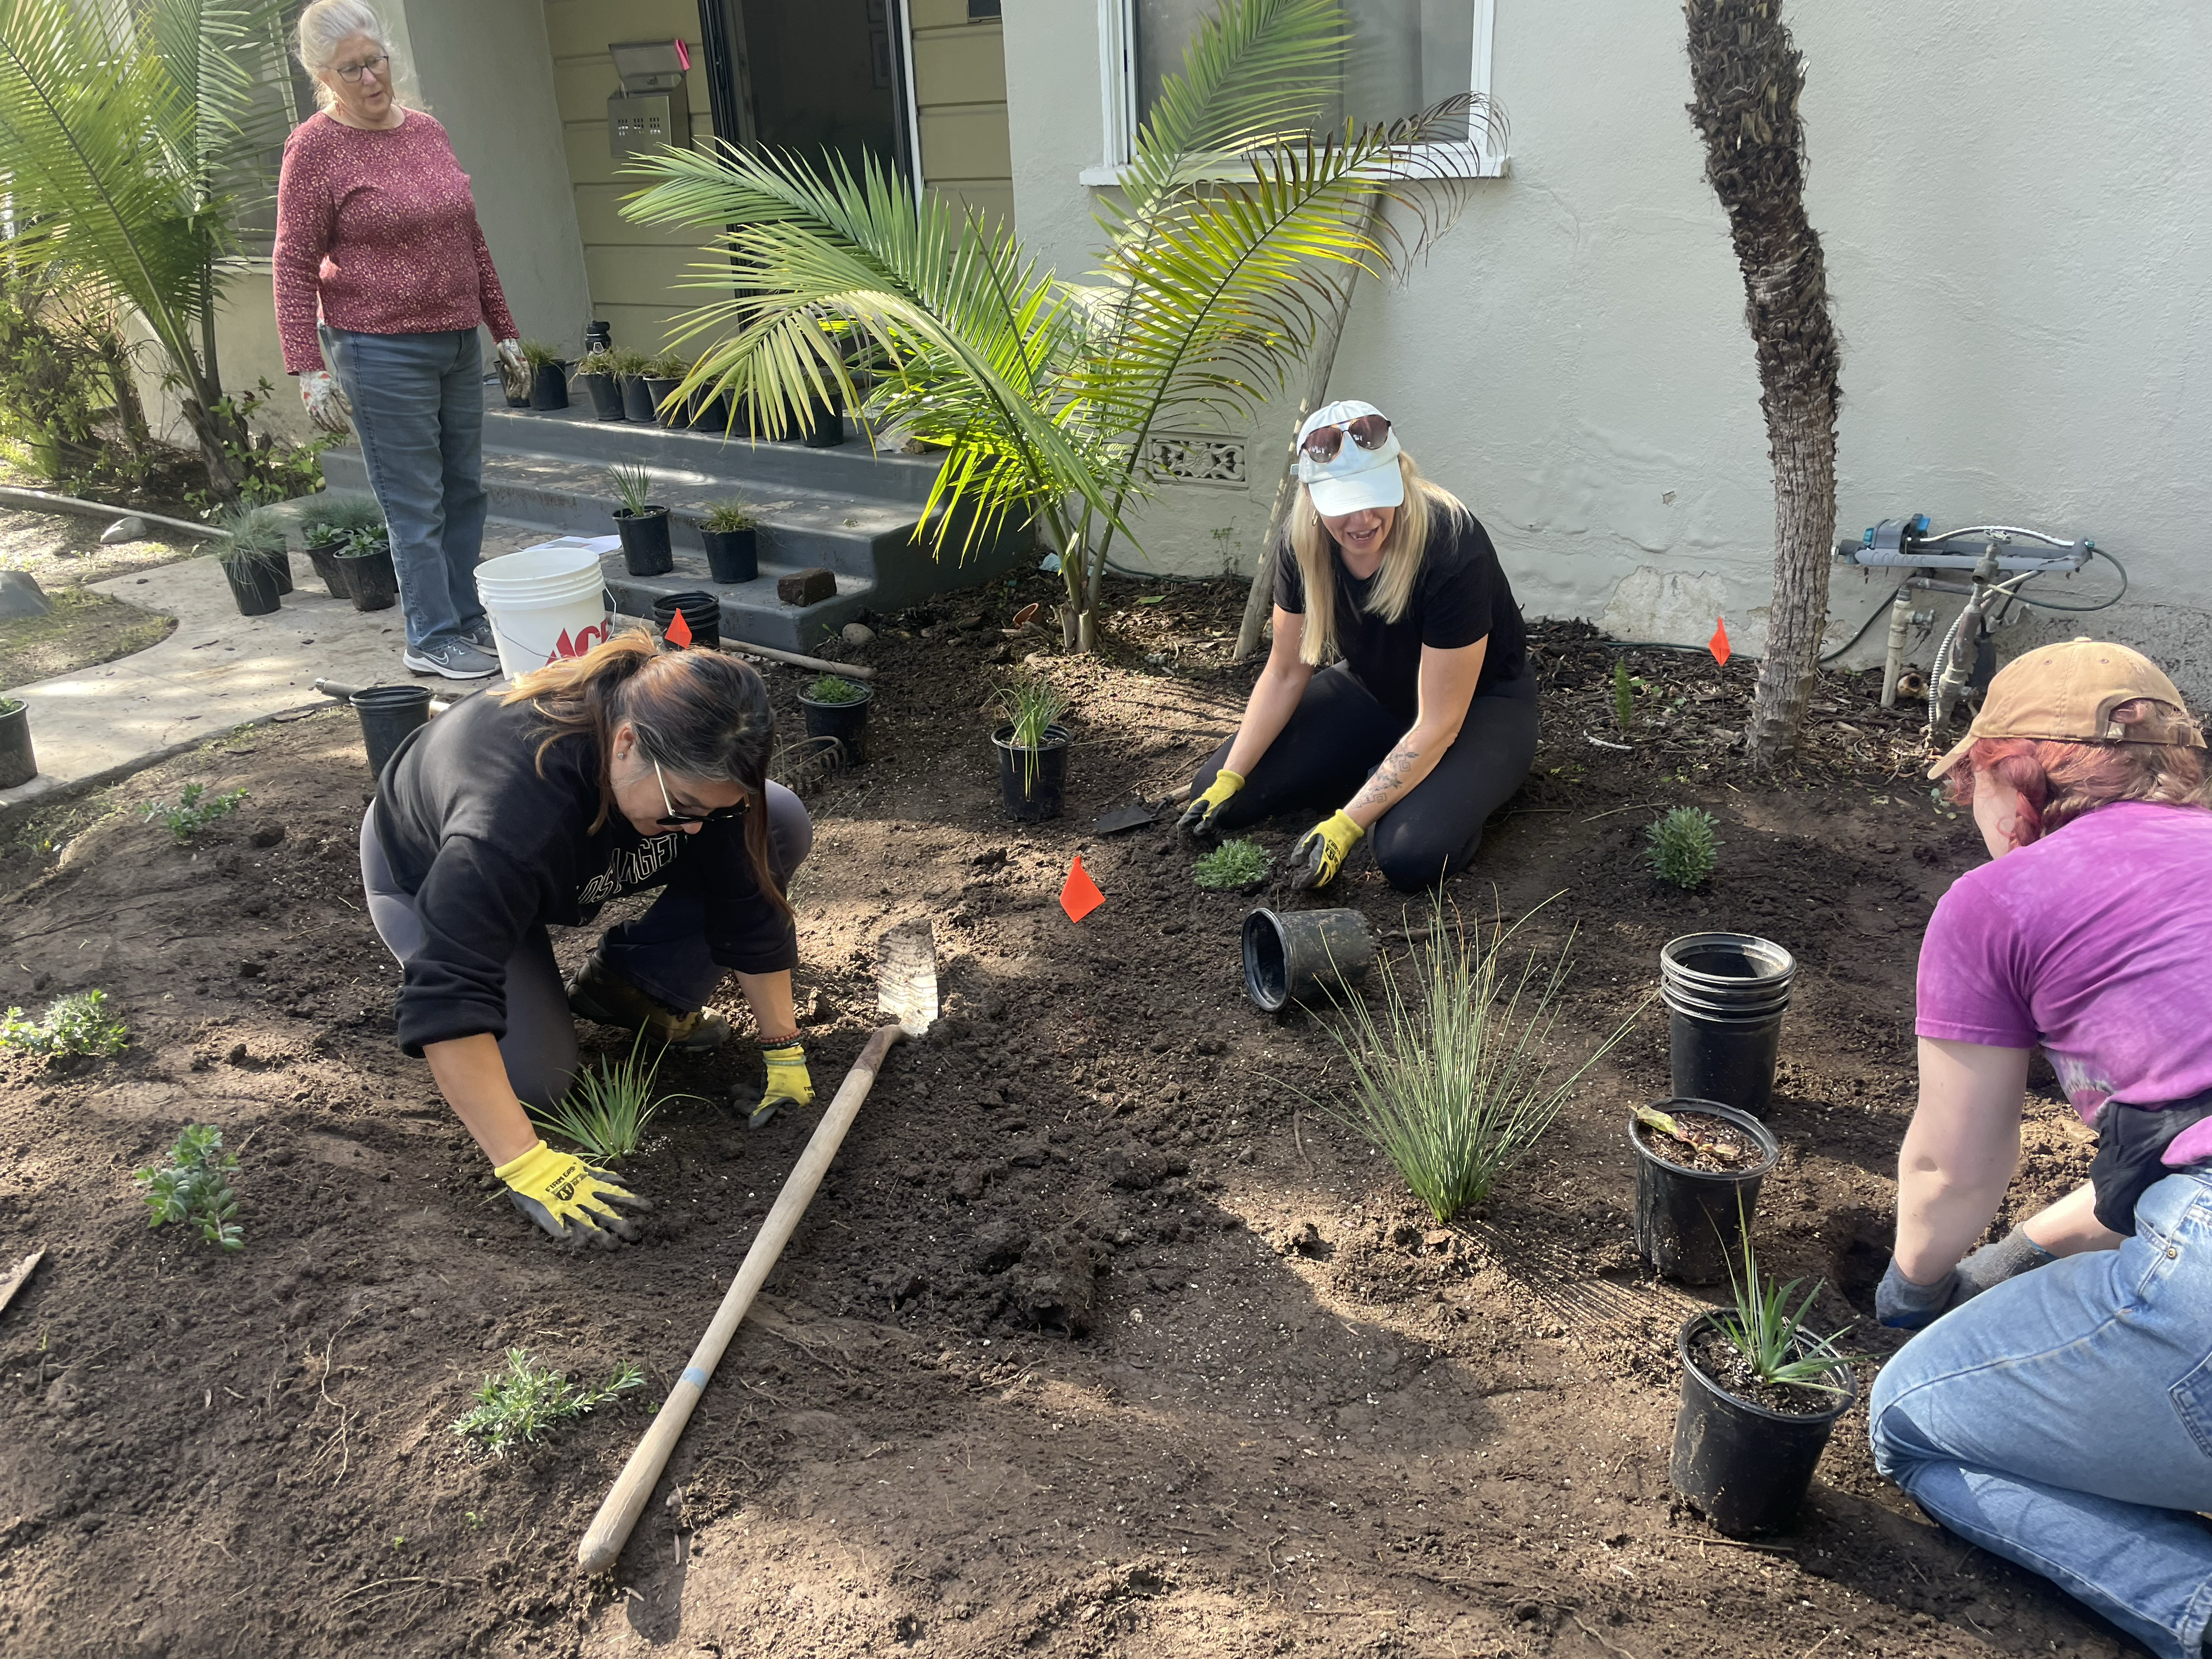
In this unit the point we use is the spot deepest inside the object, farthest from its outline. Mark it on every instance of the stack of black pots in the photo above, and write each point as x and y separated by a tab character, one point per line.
703	615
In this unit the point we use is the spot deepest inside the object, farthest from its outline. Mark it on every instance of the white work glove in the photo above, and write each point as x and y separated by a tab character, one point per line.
326	401
514	373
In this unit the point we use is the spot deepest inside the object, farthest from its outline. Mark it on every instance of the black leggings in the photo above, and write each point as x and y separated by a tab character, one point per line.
1339	733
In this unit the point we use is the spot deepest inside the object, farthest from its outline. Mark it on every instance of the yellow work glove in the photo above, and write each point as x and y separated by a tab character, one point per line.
788	1084
1198	817
568	1197
1322	851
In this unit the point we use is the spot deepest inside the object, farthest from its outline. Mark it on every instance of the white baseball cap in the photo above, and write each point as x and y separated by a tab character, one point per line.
1353	480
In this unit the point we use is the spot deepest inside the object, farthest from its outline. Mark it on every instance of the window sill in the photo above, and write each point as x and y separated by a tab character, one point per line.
1431	161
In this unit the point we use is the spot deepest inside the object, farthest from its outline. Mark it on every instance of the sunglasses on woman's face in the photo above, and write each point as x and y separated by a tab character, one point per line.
1368	431
675	820
352	73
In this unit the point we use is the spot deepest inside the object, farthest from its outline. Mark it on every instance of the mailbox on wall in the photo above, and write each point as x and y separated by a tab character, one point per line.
653	107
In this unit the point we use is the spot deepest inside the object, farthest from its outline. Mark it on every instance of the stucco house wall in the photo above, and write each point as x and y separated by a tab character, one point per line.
2015	209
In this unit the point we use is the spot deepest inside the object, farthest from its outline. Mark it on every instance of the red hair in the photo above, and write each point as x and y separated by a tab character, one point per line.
2059	781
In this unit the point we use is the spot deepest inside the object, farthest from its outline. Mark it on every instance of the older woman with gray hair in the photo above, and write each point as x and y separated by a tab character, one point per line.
382	279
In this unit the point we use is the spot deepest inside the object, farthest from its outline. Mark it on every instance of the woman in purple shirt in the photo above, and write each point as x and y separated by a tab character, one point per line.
2061	1416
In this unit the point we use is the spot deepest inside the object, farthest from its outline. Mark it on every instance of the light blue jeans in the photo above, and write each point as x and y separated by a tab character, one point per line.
2062	1419
419	410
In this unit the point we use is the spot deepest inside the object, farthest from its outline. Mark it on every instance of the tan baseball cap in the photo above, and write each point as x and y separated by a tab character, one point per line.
2067	693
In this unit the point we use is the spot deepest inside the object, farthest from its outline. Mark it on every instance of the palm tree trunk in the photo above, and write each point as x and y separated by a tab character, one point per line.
1747	75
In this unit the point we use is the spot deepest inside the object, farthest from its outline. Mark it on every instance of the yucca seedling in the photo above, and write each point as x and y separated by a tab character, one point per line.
77	1025
633	488
194	1189
1770	1335
1232	865
608	1107
1033	703
517	1405
1450	1081
1685	850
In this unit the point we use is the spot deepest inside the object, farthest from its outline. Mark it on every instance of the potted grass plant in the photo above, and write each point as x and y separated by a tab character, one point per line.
731	534
548	376
1032	749
328	520
265	531
835	706
18	765
662	376
251	555
364	562
628	368
642	523
602	380
1760	1394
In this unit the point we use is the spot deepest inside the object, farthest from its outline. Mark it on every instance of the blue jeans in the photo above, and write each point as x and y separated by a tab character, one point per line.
2062	1419
418	409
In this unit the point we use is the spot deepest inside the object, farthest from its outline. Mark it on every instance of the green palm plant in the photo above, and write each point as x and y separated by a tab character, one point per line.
1236	232
130	144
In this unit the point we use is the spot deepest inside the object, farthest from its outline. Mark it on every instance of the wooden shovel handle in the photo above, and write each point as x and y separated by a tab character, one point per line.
625	1501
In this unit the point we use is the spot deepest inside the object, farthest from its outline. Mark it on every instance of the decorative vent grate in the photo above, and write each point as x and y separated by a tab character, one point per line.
1186	458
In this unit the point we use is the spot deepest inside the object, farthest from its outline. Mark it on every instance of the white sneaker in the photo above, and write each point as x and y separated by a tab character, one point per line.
457	659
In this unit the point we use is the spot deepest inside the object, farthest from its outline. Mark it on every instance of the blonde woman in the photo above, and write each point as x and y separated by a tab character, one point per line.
1426	720
382	280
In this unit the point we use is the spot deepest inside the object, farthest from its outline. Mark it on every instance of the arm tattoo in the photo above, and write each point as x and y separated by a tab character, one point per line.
1390	775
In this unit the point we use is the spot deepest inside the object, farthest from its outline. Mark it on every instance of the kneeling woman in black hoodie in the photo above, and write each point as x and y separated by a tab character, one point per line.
622	770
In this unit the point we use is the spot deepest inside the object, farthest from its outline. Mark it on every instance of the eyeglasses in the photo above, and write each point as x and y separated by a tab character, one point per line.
1368	431
352	73
676	820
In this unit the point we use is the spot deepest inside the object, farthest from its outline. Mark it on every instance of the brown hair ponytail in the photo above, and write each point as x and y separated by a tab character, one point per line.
697	712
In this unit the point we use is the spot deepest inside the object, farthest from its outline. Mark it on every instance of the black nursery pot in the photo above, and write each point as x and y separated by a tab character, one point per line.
637	402
1032	781
606	395
825	425
848	722
1687	1225
548	387
332	569
1745	1469
371	581
18	764
703	615
645	542
733	555
1295	955
710	414
279	562
657	391
1725	996
388	714
253	581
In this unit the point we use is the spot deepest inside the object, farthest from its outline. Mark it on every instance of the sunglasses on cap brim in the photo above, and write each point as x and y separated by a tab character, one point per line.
1368	431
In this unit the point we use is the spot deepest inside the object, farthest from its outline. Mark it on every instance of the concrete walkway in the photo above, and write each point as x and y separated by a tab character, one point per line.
217	671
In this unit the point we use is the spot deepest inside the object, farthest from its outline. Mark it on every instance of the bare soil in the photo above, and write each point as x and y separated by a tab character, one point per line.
1098	1341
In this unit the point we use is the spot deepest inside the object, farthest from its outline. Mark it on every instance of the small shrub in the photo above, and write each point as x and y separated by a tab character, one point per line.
1685	850
1232	864
517	1405
194	811
1771	1336
835	687
79	1025
725	518
194	1189
605	1112
334	515
1624	697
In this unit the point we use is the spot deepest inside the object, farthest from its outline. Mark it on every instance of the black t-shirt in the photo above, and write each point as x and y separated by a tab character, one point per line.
1460	596
489	849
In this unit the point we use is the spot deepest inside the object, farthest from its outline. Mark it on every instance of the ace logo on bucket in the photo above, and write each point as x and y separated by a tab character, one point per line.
585	639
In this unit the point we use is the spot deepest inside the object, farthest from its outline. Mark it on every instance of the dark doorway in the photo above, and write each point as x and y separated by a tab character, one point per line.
822	77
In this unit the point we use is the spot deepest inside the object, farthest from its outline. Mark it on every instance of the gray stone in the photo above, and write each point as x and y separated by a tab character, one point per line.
22	596
132	529
857	634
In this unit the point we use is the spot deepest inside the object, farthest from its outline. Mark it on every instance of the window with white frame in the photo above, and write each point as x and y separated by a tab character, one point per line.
1404	56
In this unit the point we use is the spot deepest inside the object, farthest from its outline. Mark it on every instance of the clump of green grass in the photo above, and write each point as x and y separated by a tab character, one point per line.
835	687
1450	1079
608	1107
79	1025
1624	697
598	361
1770	1336
725	518
1034	704
1685	850
538	354
633	488
517	1405
193	810
193	1188
1232	864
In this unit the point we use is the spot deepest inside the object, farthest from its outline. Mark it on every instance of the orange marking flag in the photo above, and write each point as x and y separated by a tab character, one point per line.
678	633
1078	894
1718	644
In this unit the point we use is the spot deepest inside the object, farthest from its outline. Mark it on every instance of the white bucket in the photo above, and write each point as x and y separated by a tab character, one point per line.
545	602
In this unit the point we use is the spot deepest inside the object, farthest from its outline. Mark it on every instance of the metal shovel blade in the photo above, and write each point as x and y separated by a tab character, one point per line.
906	982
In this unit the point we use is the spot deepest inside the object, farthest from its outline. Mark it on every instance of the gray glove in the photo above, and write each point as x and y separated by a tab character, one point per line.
2009	1257
1904	1306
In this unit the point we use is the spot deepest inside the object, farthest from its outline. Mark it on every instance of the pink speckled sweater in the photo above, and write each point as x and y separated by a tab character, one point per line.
380	229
